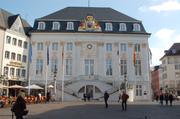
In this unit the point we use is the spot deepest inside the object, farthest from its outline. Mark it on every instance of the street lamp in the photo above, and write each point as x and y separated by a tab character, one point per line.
125	81
55	72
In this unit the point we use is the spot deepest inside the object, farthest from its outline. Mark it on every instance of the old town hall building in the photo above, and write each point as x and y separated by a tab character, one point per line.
90	50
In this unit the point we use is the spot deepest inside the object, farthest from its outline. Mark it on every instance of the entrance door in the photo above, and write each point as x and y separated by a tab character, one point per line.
89	90
89	67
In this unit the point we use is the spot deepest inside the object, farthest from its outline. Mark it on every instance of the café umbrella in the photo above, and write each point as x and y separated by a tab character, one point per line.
16	87
34	87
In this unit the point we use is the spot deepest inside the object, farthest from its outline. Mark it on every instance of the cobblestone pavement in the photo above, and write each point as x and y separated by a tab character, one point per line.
96	110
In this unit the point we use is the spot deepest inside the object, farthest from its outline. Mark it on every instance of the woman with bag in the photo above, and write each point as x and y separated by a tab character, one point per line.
19	108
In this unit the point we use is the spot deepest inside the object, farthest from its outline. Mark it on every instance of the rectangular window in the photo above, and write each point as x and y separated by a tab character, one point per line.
6	71
137	48
23	73
109	47
18	57
39	66
25	45
123	67
109	67
20	43
18	72
70	26
68	66
14	41
138	90
55	46
177	66
89	67
138	67
54	64
11	71
7	54
123	47
40	46
24	58
13	56
69	46
8	39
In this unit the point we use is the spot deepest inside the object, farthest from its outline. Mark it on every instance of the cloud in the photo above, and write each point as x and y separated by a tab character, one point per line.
170	5
165	39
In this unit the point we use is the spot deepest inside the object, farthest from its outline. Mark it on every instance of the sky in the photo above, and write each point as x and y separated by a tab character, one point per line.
161	18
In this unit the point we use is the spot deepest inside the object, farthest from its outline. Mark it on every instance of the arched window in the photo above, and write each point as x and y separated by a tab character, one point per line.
122	27
136	27
41	25
56	26
70	26
108	27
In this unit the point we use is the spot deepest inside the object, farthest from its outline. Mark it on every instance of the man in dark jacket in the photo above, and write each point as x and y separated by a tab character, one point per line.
124	101
106	96
19	107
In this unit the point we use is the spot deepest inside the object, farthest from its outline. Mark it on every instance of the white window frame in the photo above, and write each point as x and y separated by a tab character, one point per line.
18	57
109	47
70	26
109	27
136	27
40	46
39	66
89	67
123	67
23	73
123	47
56	26
109	69
139	90
7	54
68	67
55	46
138	70
137	47
8	39
69	46
122	27
14	41
41	25
12	71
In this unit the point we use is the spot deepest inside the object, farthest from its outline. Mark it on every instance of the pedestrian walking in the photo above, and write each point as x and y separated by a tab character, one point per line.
19	108
170	99
124	100
84	97
106	96
161	98
166	96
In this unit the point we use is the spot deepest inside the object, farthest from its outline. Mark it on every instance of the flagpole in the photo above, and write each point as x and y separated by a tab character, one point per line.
47	64
30	61
62	85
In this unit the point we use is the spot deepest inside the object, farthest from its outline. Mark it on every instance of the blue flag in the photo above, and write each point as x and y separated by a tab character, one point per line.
30	53
47	55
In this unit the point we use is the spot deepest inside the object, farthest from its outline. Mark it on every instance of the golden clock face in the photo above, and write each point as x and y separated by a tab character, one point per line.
89	46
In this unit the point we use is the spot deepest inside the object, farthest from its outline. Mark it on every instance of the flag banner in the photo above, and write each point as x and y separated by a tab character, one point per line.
30	53
62	54
47	55
134	57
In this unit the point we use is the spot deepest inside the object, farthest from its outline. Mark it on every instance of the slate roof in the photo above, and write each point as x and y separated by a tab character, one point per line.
7	19
78	14
174	50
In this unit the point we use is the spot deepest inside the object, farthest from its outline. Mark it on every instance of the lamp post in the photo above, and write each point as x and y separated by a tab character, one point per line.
125	81
55	72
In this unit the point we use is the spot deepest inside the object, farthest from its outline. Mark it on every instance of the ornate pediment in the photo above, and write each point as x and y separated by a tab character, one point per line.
89	24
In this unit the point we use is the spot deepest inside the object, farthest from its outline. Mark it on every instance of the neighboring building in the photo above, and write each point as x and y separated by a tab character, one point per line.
155	81
14	45
99	48
171	69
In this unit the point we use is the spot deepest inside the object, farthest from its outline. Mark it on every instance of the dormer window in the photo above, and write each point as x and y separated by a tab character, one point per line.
70	26
108	27
136	27
122	27
41	25
56	26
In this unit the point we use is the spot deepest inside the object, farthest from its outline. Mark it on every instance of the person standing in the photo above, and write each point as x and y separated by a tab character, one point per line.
84	96
19	107
161	97
166	96
124	100
170	99
106	96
